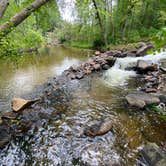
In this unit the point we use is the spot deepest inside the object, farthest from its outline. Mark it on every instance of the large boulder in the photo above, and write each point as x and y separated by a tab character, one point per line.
111	61
98	128
162	96
19	104
144	48
145	66
141	99
151	154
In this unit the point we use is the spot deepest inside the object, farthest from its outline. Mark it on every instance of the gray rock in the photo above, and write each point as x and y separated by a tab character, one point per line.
161	96
80	75
105	67
145	66
111	61
144	48
151	155
141	99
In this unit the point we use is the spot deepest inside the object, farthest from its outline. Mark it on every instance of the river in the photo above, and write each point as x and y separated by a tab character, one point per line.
57	139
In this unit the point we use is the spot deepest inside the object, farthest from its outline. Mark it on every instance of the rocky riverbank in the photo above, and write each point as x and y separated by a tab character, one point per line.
26	114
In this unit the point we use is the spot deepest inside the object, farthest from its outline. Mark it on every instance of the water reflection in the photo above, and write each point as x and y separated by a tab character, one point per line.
22	75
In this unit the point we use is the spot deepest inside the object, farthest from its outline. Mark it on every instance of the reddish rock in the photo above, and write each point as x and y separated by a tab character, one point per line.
98	128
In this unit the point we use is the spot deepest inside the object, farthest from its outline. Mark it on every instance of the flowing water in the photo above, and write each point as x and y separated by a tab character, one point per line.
19	76
57	139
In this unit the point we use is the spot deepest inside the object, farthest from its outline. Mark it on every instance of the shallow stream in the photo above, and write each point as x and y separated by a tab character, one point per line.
58	138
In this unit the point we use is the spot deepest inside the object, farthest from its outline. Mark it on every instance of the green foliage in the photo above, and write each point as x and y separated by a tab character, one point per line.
125	22
31	32
160	38
159	111
133	36
6	47
48	17
81	45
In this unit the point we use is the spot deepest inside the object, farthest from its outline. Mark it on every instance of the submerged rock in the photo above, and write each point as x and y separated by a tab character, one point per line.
151	155
98	128
19	104
141	99
4	136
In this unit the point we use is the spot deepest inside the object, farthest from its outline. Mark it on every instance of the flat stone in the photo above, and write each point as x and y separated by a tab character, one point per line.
9	115
141	99
19	104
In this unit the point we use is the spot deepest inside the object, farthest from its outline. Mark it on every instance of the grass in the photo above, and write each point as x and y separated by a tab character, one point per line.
81	45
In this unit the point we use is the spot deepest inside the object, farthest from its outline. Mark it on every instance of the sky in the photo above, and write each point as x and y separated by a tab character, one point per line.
67	10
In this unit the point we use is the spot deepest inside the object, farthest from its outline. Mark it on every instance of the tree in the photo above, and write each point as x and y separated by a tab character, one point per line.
8	26
3	6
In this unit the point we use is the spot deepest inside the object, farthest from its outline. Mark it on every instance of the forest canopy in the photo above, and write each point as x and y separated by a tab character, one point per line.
96	23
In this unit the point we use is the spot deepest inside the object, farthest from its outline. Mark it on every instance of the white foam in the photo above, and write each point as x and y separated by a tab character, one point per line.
118	74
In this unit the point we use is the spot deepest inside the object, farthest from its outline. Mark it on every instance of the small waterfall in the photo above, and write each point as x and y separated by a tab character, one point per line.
119	74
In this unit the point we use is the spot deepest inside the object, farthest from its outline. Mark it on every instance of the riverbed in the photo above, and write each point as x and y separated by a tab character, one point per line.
57	139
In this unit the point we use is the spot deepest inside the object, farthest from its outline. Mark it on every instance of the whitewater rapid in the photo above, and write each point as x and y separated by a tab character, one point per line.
119	73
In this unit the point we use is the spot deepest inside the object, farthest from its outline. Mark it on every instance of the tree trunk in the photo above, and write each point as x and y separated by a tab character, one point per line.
97	14
3	6
100	23
20	17
111	20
